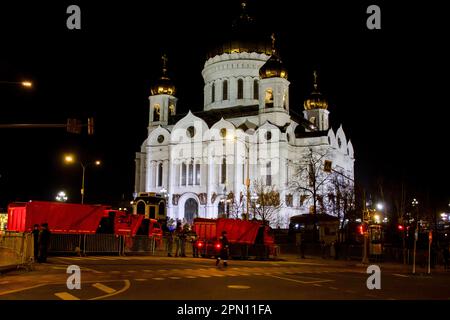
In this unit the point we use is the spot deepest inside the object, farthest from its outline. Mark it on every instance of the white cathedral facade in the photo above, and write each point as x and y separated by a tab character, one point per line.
247	133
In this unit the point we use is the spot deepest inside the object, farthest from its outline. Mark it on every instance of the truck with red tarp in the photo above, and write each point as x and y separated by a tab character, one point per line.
71	218
246	238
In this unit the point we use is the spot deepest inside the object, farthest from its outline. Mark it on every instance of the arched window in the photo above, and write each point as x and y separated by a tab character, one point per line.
269	98
223	178
225	90
240	89
191	174
213	92
183	174
156	112
285	100
269	173
197	174
160	174
255	89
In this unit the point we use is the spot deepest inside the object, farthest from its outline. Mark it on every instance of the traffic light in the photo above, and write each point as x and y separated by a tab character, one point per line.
90	126
361	229
74	126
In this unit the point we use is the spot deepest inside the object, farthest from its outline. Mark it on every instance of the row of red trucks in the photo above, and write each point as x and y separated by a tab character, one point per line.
246	238
71	218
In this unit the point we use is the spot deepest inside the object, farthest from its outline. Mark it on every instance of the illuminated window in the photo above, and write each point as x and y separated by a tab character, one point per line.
156	112
225	90
191	174
160	174
255	89
213	92
197	174
285	99
183	174
269	98
268	174
240	89
223	170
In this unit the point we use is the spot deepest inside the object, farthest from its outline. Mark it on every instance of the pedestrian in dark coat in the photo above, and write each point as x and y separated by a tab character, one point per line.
35	234
445	255
44	242
223	249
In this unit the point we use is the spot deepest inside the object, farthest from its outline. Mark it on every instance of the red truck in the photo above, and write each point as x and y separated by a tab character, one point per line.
71	218
246	238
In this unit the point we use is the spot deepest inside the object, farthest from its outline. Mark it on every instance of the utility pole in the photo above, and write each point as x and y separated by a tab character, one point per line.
365	259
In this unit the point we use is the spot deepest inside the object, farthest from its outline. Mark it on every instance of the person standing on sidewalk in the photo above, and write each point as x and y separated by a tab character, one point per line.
35	233
445	255
44	242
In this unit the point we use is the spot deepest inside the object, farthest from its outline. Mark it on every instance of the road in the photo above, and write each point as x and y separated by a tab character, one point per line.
165	278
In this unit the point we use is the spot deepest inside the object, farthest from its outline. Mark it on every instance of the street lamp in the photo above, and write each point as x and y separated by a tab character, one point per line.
61	196
232	137
380	206
26	84
414	203
69	159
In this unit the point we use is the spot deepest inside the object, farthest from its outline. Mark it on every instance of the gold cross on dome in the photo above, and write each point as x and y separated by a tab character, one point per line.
273	42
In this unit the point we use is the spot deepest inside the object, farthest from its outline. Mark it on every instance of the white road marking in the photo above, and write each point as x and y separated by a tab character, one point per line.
158	278
174	278
104	288
238	287
400	275
66	296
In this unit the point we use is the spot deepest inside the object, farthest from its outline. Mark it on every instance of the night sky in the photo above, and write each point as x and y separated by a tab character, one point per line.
388	87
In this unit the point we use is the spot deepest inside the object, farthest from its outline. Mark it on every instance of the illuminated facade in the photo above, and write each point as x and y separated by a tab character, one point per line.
246	130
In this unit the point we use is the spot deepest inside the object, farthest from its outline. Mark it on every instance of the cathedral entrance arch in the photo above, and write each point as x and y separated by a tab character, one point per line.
190	210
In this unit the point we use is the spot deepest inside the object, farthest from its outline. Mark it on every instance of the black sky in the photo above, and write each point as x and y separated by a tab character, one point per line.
387	87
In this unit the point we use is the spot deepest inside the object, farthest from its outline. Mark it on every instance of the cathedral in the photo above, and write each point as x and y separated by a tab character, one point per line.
247	134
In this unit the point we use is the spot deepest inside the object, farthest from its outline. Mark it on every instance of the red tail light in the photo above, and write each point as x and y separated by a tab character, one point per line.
218	245
200	244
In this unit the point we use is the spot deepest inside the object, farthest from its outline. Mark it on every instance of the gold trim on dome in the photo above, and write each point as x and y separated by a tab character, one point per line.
315	100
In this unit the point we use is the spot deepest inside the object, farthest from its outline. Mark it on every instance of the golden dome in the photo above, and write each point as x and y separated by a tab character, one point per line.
315	99
273	68
164	85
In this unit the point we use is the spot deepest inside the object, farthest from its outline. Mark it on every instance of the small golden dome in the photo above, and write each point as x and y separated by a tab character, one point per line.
315	99
164	85
273	68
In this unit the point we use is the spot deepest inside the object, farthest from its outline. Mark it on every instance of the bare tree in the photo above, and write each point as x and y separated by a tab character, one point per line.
341	199
268	202
309	180
237	207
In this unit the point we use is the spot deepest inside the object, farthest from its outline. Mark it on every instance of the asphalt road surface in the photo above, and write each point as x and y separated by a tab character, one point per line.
164	278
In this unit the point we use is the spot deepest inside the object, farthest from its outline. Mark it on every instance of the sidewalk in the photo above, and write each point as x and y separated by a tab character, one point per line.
8	260
392	266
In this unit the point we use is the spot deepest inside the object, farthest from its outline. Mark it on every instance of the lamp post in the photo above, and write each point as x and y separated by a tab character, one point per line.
25	84
414	203
247	180
71	159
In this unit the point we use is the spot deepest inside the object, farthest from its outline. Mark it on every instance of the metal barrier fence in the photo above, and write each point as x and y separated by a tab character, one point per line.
82	244
16	249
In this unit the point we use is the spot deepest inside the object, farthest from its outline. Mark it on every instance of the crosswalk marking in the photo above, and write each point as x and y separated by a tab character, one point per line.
66	296
104	288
